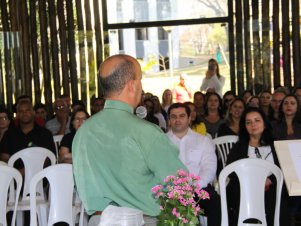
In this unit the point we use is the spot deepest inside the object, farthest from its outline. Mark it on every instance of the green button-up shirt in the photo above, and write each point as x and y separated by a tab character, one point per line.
118	158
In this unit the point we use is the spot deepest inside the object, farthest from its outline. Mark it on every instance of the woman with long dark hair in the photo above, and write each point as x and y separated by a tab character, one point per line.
213	117
255	141
232	119
288	126
78	117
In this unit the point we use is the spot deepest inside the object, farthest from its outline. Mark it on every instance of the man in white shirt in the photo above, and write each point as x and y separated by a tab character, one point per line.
197	152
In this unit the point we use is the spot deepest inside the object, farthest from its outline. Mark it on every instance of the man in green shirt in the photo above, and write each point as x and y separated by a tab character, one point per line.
118	157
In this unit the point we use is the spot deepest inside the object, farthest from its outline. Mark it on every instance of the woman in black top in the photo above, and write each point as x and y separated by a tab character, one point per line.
231	126
288	127
77	119
255	141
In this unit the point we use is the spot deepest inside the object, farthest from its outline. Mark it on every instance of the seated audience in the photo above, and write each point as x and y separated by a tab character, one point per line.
265	98
4	121
77	104
41	111
195	124
255	141
149	104
26	134
277	98
297	93
60	124
78	117
228	97
166	100
231	125
197	152
288	126
253	102
246	95
198	100
213	117
159	113
97	105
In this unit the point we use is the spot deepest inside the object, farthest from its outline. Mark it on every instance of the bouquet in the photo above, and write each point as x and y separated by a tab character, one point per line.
178	199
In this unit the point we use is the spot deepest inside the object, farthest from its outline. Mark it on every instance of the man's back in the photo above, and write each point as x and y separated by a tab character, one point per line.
118	157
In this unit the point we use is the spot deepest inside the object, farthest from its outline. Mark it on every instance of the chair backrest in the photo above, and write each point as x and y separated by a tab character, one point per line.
33	159
60	178
57	141
252	175
224	145
7	175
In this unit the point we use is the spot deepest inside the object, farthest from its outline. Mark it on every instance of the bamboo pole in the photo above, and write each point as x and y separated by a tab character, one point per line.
266	50
2	97
7	57
97	28
45	55
231	46
82	56
286	44
72	50
27	79
276	44
296	42
99	41
239	46
91	58
64	50
15	32
34	51
54	48
247	44
258	78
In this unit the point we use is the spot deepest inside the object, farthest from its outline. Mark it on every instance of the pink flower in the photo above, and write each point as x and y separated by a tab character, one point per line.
175	213
177	197
204	194
156	188
182	172
169	178
185	221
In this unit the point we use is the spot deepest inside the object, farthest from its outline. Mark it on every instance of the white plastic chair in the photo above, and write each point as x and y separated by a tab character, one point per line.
7	176
224	145
61	182
33	160
57	141
3	163
252	175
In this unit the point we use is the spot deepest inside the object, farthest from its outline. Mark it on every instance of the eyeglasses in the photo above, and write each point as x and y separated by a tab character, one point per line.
257	153
78	120
61	107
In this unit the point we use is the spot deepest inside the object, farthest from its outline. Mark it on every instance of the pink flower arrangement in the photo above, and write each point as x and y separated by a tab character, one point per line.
178	199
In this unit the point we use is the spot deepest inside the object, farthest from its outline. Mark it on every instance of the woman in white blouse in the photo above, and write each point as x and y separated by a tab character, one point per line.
213	82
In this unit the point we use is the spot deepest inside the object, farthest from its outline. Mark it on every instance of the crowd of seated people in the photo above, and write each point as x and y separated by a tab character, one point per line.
278	113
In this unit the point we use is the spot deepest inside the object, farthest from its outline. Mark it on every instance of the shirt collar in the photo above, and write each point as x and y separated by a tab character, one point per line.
115	104
189	132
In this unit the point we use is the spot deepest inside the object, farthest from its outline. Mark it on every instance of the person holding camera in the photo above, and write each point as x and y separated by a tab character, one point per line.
213	82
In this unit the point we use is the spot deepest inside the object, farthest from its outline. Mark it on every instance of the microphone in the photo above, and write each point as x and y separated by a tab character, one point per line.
141	112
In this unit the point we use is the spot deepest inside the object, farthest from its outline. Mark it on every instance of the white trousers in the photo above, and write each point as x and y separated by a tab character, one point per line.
121	216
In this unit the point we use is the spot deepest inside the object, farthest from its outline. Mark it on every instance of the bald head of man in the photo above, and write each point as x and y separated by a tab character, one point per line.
120	77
